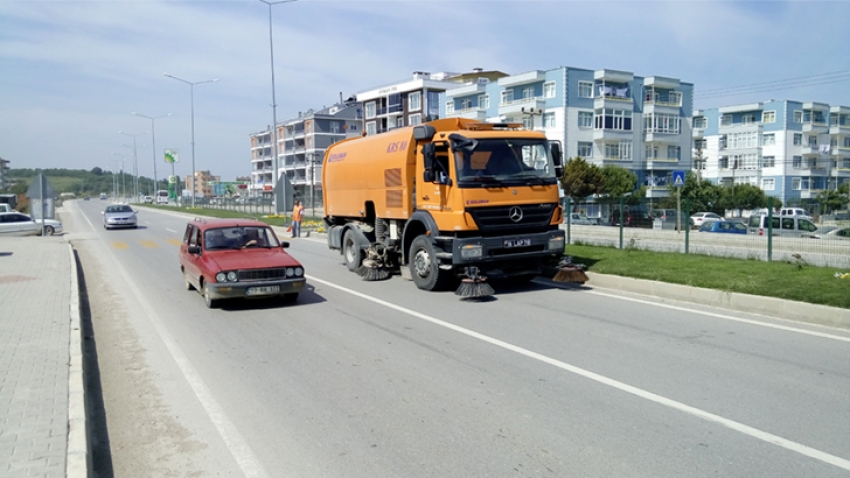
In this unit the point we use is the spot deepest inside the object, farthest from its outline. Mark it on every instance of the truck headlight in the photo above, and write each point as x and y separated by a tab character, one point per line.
471	251
556	244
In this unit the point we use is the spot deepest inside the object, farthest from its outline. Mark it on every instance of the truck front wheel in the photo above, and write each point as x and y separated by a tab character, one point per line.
352	253
424	266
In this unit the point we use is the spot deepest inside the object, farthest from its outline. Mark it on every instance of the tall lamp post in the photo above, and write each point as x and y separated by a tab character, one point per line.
274	109
153	143
135	163
192	103
122	173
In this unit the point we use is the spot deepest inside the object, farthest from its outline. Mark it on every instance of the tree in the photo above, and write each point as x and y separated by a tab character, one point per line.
581	179
743	196
832	200
96	171
703	195
618	182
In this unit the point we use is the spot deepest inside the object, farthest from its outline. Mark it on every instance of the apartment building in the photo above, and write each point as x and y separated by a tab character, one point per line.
302	142
792	150
4	174
604	116
203	186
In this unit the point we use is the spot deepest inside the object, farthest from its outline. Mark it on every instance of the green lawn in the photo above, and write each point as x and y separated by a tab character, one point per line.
784	280
799	282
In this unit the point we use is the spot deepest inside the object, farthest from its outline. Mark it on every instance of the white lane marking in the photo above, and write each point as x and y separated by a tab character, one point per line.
699	413
727	317
234	441
169	230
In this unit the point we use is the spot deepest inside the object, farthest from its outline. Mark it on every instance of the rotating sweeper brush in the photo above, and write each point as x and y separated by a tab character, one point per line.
474	285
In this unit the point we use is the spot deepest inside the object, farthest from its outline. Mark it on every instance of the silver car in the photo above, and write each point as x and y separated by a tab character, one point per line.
19	224
119	215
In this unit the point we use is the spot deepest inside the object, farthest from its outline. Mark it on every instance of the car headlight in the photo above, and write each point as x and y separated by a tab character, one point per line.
231	276
290	272
221	277
299	271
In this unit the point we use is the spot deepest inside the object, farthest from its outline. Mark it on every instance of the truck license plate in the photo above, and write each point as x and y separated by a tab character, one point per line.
517	242
274	289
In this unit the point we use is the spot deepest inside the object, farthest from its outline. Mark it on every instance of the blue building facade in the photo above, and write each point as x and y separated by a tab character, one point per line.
604	116
792	150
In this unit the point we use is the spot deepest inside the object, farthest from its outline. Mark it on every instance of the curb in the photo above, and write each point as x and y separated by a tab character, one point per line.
752	304
78	463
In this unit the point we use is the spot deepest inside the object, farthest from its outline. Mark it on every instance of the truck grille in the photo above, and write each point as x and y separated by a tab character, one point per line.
497	220
262	274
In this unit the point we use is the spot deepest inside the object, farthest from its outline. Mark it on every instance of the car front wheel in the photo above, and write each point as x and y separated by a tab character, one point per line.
208	300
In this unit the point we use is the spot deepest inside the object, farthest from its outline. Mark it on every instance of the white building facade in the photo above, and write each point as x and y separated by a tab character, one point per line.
791	150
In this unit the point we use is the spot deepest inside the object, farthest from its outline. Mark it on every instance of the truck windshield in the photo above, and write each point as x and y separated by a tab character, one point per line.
510	162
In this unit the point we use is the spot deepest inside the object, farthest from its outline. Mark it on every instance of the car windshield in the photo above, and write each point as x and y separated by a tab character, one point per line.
239	237
119	208
503	161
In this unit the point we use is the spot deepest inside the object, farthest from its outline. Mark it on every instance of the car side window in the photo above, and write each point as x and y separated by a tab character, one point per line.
787	223
806	225
197	237
187	234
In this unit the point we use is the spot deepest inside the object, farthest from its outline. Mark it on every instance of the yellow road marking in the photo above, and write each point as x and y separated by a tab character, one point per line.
174	242
120	245
148	244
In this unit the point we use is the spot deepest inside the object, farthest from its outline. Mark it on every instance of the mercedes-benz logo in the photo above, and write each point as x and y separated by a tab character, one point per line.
515	214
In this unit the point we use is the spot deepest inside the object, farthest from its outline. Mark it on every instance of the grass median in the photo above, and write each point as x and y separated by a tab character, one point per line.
793	281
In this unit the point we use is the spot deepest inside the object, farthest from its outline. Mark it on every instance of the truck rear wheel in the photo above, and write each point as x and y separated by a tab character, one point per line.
352	253
424	266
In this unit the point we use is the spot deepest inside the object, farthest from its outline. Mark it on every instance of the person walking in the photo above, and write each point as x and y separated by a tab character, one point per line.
297	214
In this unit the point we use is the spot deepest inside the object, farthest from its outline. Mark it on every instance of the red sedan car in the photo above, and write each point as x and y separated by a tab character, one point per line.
238	258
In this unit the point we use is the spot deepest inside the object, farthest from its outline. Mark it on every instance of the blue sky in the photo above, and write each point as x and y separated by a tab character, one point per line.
72	72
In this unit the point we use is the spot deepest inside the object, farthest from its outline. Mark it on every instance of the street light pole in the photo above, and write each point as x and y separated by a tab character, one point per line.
135	163
122	173
153	143
274	111
192	103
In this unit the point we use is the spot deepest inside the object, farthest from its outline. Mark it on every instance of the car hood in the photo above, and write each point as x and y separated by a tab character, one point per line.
251	258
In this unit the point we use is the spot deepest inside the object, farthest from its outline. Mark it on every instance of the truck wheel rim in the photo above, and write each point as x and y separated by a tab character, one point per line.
422	263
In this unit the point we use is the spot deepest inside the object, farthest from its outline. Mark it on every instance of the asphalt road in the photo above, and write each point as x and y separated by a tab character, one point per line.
379	379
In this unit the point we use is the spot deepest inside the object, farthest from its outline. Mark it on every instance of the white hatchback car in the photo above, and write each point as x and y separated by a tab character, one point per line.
700	217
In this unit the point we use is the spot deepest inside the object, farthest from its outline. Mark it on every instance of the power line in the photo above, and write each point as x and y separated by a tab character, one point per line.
795	79
825	79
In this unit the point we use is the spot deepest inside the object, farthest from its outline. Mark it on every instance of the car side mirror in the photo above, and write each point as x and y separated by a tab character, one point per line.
194	249
284	244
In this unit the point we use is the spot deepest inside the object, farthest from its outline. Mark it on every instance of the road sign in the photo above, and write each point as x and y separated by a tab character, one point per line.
172	179
172	156
678	178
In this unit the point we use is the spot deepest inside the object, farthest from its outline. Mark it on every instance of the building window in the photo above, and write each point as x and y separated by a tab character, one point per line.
769	162
585	149
798	139
370	110
549	89
768	117
620	151
699	122
798	116
507	97
797	184
673	152
813	141
768	184
748	118
548	120
370	128
465	104
618	120
399	122
768	140
675	98
414	101
723	162
484	102
585	119
726	120
450	107
797	162
585	89
414	119
847	141
661	123
528	93
334	126
528	122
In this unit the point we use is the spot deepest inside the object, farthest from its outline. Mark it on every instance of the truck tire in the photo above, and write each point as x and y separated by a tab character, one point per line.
352	253
424	266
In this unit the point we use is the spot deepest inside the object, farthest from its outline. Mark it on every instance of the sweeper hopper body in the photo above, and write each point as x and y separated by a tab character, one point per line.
431	200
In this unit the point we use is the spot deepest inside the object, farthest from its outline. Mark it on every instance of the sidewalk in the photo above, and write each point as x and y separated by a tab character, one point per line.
42	401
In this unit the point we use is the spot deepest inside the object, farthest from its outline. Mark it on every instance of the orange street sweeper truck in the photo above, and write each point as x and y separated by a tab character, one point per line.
445	200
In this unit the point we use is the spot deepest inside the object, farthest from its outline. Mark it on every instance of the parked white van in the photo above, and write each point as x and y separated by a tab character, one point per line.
794	212
794	226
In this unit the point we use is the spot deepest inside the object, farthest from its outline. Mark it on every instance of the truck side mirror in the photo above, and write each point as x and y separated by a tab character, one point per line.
428	162
557	159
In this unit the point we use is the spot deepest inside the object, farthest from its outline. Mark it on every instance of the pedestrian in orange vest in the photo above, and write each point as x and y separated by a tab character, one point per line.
297	214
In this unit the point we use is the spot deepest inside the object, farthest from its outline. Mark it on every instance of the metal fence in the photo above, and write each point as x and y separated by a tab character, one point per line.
645	226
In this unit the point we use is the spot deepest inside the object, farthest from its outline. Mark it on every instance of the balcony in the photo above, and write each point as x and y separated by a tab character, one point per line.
612	134
614	76
839	129
665	164
840	150
478	114
661	137
810	193
470	89
516	106
657	106
815	127
534	76
661	82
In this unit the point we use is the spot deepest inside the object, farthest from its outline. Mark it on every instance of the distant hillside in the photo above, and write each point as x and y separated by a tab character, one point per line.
78	181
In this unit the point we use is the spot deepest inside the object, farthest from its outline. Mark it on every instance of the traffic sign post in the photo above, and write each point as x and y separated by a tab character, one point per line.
679	182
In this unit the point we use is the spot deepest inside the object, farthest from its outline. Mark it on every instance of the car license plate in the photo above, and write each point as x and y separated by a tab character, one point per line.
273	289
517	242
